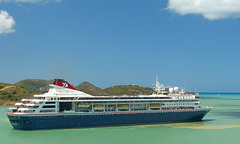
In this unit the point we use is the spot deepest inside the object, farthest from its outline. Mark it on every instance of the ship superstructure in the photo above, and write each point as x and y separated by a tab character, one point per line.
65	107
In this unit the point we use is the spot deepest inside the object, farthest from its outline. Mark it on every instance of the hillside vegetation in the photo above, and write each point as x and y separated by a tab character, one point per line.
128	90
91	89
12	93
35	85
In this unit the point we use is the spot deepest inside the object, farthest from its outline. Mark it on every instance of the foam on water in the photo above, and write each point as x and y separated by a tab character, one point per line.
201	126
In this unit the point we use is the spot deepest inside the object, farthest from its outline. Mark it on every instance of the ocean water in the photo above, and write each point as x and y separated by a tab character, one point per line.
220	126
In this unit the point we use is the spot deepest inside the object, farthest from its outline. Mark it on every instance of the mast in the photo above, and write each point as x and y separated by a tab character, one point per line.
157	86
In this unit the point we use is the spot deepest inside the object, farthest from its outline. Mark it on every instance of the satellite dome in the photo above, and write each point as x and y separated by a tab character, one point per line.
175	89
170	90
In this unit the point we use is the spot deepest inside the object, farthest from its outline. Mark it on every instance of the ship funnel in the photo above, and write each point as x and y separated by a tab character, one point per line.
63	83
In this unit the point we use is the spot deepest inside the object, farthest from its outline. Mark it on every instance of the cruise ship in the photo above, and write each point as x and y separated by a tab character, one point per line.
65	107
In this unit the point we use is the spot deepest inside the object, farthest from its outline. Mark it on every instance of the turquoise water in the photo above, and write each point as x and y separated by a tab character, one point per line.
220	126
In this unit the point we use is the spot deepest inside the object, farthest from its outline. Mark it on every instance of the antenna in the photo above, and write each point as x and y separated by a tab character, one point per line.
157	86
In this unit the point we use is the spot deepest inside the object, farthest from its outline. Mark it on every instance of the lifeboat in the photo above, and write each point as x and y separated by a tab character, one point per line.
123	106
83	104
154	105
98	107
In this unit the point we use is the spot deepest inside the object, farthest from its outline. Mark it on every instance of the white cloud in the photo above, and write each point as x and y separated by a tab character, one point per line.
210	9
6	23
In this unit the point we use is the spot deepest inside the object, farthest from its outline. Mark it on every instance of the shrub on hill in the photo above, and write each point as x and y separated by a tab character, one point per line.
34	85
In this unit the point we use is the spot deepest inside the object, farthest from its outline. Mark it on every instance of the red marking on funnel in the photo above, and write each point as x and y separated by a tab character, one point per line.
63	83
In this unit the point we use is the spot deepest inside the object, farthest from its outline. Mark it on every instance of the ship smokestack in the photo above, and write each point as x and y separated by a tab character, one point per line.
63	83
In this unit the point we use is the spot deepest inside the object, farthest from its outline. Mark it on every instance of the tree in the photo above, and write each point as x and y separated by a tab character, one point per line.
14	92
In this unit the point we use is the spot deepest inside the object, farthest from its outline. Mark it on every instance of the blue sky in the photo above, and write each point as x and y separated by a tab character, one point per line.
194	45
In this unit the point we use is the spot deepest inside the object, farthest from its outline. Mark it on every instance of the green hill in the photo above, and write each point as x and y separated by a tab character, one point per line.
10	93
115	90
34	85
128	90
91	89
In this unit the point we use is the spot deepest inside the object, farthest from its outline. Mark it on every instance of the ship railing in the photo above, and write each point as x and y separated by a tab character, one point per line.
32	102
18	104
21	111
29	107
13	107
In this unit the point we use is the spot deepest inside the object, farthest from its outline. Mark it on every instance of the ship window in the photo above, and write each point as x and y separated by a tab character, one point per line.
65	106
50	102
49	106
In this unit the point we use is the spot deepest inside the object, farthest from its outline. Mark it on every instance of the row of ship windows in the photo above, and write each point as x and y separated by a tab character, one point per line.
53	106
182	104
37	117
32	111
46	120
46	106
71	116
114	98
47	110
53	110
97	98
107	98
21	121
125	113
118	102
110	105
